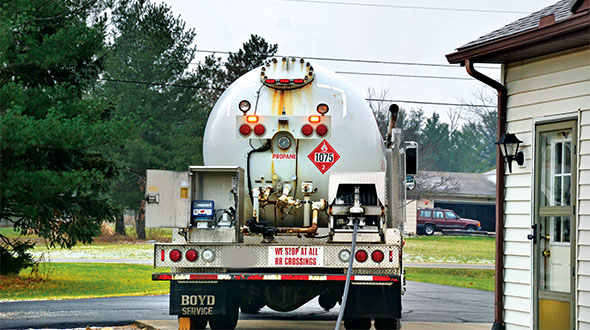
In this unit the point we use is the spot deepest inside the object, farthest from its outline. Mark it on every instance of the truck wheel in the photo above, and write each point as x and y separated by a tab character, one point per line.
471	228
327	302
388	324
357	324
230	319
429	229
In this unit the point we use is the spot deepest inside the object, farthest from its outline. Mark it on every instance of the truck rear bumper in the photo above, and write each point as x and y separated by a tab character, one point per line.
272	277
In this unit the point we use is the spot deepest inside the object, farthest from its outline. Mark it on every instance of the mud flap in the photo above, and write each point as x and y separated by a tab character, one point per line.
381	301
196	299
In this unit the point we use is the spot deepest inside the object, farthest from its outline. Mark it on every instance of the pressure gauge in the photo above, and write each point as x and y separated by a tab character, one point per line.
284	143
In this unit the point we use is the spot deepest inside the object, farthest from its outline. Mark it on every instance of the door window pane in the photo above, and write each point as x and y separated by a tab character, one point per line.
556	163
450	215
426	214
438	214
554	254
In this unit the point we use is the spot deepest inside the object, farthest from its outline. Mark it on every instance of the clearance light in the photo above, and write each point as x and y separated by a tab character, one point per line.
307	130
191	255
284	81
208	255
175	255
377	256
344	255
245	129
252	119
259	129
361	255
298	81
321	130
314	119
270	81
322	109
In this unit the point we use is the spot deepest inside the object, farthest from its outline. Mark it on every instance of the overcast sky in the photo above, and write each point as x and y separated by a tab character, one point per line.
412	31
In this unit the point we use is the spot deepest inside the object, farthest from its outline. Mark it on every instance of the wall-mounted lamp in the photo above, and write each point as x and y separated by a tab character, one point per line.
508	144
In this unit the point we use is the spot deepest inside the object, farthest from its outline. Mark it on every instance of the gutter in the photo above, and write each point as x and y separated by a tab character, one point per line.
499	266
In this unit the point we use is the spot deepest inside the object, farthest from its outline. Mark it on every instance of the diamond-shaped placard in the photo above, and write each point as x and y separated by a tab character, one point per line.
323	156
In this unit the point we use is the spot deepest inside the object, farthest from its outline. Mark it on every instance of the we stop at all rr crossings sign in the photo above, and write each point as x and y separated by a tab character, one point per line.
323	156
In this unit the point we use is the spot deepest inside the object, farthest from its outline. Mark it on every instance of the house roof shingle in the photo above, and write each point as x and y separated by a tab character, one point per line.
560	9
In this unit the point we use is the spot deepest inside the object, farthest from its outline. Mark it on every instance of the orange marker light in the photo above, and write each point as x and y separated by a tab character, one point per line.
252	119
314	119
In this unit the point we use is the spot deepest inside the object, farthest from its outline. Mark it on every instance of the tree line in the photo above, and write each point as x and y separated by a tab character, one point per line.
94	92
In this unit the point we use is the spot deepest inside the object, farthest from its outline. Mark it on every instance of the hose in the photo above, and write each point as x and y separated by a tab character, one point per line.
348	275
262	148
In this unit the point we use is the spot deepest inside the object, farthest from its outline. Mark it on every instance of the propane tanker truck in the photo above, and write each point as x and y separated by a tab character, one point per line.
299	197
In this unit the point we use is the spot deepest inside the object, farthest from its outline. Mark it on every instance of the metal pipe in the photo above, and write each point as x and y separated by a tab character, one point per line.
255	204
306	210
502	96
308	231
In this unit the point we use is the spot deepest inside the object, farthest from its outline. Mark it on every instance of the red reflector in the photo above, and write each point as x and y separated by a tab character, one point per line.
270	81
191	255
322	130
164	277
307	130
314	119
259	129
361	255
298	81
245	130
175	255
377	256
252	119
284	81
163	255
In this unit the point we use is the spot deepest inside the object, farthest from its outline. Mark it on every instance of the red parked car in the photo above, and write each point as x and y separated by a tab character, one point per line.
431	220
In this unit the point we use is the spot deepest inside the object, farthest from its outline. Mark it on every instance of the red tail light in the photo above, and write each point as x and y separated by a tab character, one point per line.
307	130
377	256
321	130
259	129
245	130
175	255
298	81
361	255
270	81
162	255
284	81
191	255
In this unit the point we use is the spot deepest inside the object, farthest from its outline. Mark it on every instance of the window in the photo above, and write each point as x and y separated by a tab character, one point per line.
426	214
450	215
438	214
556	151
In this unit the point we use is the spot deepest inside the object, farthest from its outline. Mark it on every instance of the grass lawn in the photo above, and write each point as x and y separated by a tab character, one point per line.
83	280
123	250
482	279
449	249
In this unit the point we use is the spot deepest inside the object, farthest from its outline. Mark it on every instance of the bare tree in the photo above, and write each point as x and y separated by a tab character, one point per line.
380	108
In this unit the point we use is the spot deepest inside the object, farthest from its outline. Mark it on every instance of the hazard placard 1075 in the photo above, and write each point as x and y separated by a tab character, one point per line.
324	156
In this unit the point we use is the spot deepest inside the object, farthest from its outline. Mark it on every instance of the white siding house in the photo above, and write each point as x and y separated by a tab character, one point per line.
544	269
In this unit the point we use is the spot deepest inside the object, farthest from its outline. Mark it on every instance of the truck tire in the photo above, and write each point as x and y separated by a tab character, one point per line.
198	322
429	229
357	324
230	319
327	302
388	324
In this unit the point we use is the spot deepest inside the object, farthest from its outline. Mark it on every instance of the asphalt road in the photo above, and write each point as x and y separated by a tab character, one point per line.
422	302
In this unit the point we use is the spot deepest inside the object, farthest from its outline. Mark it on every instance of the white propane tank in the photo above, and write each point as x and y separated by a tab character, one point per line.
282	95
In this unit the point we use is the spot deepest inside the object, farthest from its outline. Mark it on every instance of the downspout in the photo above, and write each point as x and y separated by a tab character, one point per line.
499	267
